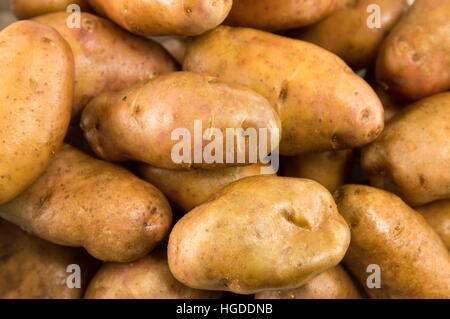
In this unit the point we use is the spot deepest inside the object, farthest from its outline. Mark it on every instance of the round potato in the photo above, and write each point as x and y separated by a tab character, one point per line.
387	233
259	233
36	90
83	202
26	9
437	214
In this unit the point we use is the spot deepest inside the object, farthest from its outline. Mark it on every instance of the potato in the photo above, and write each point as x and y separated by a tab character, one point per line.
36	90
26	9
322	104
259	233
106	57
147	278
391	105
334	283
329	169
386	232
155	18
83	202
437	214
31	268
176	46
414	61
278	14
412	156
139	123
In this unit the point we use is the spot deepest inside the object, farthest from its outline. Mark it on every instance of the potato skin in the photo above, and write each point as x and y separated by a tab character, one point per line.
385	231
156	18
322	104
335	283
279	232
414	61
129	125
83	202
31	268
176	46
412	156
35	93
106	57
437	214
26	9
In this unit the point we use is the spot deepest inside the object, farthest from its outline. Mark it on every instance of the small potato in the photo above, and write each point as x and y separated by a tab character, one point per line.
414	61
276	15
31	268
140	123
106	57
176	46
437	214
322	104
156	18
412	156
83	202
259	233
334	283
26	9
386	232
147	278
36	89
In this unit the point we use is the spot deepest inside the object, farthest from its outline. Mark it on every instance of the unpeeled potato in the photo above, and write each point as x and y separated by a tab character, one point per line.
26	9
437	214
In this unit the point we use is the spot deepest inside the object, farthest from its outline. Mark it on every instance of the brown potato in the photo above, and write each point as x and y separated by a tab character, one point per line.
130	125
31	268
437	214
414	61
176	46
36	90
391	105
412	156
322	104
334	283
386	232
154	17
259	233
26	9
83	202
106	57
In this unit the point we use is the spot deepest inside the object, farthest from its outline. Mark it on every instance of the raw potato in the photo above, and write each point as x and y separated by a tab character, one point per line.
36	89
130	125
26	9
334	283
155	17
412	156
414	61
176	46
413	260
147	278
322	104
106	57
278	14
31	268
437	214
83	202
259	233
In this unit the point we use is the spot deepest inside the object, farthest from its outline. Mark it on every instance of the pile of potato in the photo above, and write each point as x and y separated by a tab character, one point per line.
359	90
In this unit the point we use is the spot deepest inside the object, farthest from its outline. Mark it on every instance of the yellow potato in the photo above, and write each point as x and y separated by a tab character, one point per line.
26	9
437	214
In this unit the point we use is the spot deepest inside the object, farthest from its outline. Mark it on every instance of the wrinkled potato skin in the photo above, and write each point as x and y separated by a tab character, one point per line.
414	61
128	125
147	278
275	15
437	214
334	283
36	90
31	268
293	75
83	202
412	156
279	232
155	18
385	231
106	57
26	9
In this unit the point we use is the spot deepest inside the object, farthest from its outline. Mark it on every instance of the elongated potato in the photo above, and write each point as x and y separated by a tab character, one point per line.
278	232
81	201
412	156
31	268
154	17
148	122
106	57
412	259
147	278
26	9
334	283
414	61
437	214
36	90
322	104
